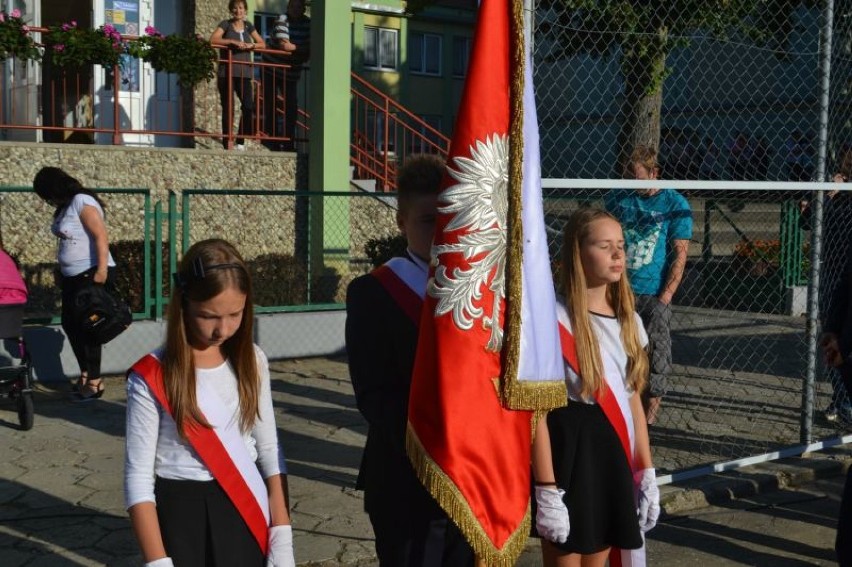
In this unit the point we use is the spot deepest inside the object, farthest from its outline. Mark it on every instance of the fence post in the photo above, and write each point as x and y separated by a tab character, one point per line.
812	327
158	261
146	255
116	106
816	234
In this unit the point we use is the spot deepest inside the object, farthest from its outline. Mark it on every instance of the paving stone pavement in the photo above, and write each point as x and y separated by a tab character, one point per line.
61	499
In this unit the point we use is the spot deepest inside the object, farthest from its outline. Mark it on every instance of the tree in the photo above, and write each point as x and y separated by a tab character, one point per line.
642	33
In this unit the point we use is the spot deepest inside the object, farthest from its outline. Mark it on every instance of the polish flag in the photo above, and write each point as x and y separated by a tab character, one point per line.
489	349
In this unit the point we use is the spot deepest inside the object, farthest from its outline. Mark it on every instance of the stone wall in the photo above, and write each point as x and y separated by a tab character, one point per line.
258	225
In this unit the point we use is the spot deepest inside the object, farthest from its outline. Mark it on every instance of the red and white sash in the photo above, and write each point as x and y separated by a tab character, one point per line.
621	420
405	282
222	450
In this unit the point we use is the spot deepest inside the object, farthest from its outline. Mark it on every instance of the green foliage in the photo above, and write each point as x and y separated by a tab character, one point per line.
278	279
645	32
15	38
380	250
72	46
190	57
130	264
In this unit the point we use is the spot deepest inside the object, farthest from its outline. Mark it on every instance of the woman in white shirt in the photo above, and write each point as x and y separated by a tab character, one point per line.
84	259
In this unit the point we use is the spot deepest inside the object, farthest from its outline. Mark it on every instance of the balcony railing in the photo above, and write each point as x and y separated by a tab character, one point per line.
384	133
42	102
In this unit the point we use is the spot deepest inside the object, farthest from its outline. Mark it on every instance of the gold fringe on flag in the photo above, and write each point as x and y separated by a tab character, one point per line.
448	496
515	394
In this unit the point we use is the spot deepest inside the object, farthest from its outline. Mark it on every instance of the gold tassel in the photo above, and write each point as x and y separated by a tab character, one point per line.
514	394
448	496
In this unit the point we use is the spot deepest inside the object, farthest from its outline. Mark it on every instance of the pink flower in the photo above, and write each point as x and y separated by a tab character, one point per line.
73	23
15	13
25	29
66	27
2	17
59	47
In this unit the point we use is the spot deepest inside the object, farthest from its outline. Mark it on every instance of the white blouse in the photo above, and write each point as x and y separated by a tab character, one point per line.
154	448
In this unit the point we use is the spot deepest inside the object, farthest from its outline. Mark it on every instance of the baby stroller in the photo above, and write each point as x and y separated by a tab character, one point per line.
16	374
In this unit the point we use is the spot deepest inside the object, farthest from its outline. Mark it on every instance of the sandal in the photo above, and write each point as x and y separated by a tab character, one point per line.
79	384
90	391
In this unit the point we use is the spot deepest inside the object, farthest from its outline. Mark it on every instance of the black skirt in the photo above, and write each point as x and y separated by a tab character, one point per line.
201	527
590	465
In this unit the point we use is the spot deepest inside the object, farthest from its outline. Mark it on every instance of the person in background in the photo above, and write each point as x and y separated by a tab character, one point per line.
84	260
657	226
410	527
837	224
241	37
299	49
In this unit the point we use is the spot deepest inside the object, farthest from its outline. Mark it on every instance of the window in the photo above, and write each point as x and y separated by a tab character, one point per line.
380	48
424	53
264	22
461	55
417	144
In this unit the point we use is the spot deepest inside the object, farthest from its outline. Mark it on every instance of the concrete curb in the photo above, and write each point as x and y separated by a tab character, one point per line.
716	489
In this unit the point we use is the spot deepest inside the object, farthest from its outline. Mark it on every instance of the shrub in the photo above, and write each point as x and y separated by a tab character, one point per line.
190	57
130	263
380	250
15	38
278	279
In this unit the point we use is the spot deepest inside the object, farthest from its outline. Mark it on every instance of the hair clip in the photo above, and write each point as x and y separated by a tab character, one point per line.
199	271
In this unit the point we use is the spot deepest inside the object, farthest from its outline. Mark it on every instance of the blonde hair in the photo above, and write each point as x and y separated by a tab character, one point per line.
207	269
620	297
646	156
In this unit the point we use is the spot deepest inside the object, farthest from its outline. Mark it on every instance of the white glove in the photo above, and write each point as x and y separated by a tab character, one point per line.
649	499
551	519
162	562
280	547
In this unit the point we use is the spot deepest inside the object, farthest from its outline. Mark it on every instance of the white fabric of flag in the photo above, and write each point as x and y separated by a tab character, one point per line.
540	351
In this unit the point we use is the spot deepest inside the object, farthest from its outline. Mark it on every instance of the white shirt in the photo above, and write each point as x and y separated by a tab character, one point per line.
77	249
614	358
154	447
608	332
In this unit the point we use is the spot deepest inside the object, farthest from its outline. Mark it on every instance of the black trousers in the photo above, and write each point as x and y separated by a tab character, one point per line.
275	83
201	527
87	353
843	544
422	536
244	92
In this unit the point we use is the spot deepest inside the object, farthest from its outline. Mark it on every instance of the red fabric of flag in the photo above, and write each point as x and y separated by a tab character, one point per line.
470	452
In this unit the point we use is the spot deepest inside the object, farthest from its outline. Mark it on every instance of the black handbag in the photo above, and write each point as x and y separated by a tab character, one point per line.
103	314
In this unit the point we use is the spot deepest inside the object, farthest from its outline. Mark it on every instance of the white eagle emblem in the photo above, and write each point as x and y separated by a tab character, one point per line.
479	203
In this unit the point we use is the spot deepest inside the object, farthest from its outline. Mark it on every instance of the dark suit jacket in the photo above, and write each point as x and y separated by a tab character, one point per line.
838	320
381	342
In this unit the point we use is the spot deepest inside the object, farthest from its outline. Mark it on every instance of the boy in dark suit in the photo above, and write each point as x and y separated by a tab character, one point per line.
383	313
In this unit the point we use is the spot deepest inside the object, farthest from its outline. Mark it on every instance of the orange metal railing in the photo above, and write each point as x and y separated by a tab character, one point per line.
384	133
39	101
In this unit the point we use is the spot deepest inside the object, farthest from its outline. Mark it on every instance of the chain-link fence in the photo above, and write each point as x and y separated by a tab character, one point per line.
739	381
750	90
725	91
741	352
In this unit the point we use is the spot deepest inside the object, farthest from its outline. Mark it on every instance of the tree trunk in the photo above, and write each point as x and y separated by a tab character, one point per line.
641	107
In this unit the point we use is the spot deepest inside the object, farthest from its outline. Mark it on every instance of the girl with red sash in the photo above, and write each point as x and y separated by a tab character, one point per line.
205	481
595	488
